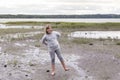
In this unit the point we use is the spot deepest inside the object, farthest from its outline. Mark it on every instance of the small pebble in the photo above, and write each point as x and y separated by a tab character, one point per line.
86	76
10	74
88	71
5	65
91	44
26	75
19	66
48	71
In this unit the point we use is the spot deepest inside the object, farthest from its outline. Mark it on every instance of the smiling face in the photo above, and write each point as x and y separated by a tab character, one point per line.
49	29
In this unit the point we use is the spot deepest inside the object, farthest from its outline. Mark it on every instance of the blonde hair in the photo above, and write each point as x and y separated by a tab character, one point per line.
48	26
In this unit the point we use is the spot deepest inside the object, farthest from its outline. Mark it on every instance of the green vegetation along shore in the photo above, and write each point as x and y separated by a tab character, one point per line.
68	26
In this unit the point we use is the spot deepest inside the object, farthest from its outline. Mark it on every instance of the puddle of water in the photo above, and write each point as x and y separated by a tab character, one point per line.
3	26
96	34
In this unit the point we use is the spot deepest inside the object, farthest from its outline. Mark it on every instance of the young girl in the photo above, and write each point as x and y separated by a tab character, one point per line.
50	40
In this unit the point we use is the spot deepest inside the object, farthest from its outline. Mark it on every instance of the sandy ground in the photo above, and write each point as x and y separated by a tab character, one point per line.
22	60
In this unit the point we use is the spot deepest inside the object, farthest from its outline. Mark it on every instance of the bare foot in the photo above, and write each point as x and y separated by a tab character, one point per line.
53	73
67	69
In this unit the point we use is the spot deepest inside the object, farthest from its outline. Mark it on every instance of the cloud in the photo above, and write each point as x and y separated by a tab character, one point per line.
60	7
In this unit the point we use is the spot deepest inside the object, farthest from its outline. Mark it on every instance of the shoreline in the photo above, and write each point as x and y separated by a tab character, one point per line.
86	20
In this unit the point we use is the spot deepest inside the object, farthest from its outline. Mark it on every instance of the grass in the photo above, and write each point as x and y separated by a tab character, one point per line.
37	44
38	36
32	64
23	37
118	43
30	23
17	39
81	41
66	26
14	30
14	62
117	55
88	26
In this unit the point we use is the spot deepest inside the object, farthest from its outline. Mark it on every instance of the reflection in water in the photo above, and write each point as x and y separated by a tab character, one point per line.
96	34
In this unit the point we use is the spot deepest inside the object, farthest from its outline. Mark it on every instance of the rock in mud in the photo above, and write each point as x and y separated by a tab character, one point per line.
26	75
90	43
5	66
47	70
10	74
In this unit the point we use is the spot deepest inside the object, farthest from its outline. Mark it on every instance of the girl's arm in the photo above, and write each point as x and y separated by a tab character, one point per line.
58	34
43	40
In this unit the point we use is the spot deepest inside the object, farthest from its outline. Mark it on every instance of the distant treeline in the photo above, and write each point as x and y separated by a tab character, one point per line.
62	16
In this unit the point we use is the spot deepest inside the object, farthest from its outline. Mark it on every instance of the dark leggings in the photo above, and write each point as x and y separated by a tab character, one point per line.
52	55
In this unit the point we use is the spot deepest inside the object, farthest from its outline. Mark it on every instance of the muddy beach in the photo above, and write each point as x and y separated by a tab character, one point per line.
24	57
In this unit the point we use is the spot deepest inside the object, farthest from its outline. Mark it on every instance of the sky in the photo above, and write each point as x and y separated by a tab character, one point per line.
67	7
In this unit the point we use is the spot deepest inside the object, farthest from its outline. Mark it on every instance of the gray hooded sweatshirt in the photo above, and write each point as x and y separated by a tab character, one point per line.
51	40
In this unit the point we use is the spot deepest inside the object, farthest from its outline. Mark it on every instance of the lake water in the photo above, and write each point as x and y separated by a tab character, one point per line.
96	34
64	20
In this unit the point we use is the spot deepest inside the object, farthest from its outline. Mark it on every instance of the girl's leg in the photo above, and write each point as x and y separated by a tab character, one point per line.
53	70
58	52
52	55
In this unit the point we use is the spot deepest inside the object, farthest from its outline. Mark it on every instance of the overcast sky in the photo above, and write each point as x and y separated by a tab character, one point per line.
59	6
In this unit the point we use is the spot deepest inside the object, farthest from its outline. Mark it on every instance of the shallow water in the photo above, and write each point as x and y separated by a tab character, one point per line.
88	20
96	34
3	26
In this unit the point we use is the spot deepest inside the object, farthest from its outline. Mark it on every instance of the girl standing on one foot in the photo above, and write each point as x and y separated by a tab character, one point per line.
50	39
